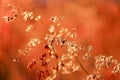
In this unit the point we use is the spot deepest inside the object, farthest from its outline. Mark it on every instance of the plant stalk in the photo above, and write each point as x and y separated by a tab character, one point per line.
87	73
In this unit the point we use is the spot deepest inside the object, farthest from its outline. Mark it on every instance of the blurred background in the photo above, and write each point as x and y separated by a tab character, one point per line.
97	23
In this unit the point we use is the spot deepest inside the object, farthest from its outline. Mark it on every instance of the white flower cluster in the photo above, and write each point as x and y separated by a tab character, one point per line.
93	77
101	61
30	16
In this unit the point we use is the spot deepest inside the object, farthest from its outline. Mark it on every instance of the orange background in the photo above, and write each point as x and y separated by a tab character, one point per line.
97	23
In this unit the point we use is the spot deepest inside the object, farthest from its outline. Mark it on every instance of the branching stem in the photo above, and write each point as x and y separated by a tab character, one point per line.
87	73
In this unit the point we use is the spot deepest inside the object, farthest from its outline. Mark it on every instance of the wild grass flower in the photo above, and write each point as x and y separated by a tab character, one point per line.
66	62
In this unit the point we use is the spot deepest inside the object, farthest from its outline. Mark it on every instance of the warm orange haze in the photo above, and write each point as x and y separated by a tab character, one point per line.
59	40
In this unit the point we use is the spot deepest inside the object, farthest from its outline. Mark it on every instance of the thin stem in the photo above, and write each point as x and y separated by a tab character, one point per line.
82	66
